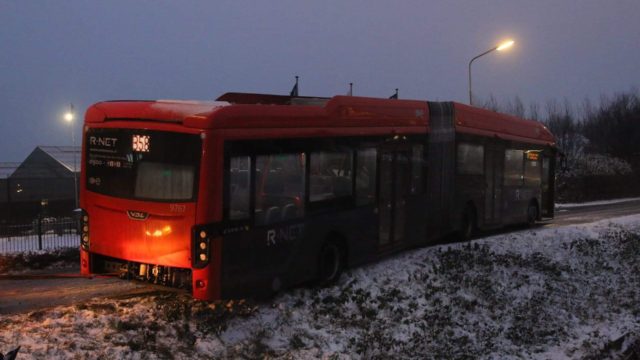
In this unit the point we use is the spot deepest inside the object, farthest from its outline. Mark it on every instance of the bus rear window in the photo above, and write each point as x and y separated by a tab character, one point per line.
142	164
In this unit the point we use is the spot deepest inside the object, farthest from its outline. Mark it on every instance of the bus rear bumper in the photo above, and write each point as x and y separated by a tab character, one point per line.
203	287
85	262
199	281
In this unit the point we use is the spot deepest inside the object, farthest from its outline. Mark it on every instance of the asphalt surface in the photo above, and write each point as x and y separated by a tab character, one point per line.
24	295
591	213
36	290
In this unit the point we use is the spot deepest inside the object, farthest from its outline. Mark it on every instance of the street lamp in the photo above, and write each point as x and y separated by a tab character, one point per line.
505	45
69	117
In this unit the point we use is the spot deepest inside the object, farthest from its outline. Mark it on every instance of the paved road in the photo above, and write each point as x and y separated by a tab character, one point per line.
18	296
24	295
587	214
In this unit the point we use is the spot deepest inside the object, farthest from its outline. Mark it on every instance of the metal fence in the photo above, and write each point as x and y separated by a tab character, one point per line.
43	233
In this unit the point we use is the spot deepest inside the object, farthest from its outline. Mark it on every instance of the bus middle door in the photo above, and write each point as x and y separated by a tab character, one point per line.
394	188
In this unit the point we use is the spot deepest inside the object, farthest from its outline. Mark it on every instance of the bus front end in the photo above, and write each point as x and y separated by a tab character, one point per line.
139	194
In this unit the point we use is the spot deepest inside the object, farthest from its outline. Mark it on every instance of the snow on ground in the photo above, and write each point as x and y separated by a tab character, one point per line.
52	260
542	293
595	203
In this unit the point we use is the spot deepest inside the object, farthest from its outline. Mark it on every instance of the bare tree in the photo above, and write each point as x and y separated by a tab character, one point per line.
514	107
491	104
614	128
562	123
534	111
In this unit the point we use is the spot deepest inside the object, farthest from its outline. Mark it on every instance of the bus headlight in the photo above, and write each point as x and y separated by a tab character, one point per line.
84	234
201	248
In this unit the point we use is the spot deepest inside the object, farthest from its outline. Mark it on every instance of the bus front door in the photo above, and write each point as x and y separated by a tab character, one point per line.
394	184
547	187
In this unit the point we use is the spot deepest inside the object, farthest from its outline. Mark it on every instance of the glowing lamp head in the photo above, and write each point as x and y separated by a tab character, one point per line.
68	117
203	257
505	45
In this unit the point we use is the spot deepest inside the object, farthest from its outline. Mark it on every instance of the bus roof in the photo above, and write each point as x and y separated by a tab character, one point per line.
477	121
338	111
245	111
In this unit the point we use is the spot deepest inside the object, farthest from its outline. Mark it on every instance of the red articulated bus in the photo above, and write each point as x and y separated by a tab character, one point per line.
253	193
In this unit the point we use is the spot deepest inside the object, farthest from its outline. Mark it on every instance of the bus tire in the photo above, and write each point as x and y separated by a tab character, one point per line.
532	213
467	223
330	263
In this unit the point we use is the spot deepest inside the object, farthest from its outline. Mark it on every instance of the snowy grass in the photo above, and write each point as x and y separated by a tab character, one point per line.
554	293
35	260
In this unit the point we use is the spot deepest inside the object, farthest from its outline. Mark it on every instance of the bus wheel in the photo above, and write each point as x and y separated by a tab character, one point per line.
467	224
330	263
532	213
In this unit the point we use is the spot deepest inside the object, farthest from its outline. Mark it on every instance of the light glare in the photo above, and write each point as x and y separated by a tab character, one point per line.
505	45
68	117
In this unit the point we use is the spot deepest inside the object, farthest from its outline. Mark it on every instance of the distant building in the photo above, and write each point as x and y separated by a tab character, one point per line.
6	169
44	181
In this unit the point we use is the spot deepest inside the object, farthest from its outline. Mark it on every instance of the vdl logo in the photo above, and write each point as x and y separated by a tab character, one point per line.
137	215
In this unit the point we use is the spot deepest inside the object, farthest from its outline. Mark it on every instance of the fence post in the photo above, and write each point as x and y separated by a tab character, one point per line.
39	231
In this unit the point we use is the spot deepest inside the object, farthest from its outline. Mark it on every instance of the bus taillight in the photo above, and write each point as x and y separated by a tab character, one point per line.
84	237
201	248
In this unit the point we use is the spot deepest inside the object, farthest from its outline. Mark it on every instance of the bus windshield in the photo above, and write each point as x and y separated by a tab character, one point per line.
142	164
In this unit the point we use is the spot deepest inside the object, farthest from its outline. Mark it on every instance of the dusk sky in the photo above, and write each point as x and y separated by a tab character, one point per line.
53	53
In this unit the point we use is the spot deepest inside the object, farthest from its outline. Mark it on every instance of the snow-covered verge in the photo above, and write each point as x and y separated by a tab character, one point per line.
563	292
52	259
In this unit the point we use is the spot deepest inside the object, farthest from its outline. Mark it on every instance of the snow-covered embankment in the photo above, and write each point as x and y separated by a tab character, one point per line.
563	292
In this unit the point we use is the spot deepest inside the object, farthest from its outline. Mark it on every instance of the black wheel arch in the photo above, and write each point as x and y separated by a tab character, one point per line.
340	239
336	242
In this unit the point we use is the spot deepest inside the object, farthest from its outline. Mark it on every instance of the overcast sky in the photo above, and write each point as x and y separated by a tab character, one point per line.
53	53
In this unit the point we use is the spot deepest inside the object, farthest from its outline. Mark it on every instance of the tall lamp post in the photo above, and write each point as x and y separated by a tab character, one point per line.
503	46
68	117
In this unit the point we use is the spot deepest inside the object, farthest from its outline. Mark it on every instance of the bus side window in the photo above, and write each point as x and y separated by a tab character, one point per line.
280	182
331	175
513	167
239	183
366	176
470	159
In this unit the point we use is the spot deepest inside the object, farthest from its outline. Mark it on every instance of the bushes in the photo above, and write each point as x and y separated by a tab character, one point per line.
597	187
